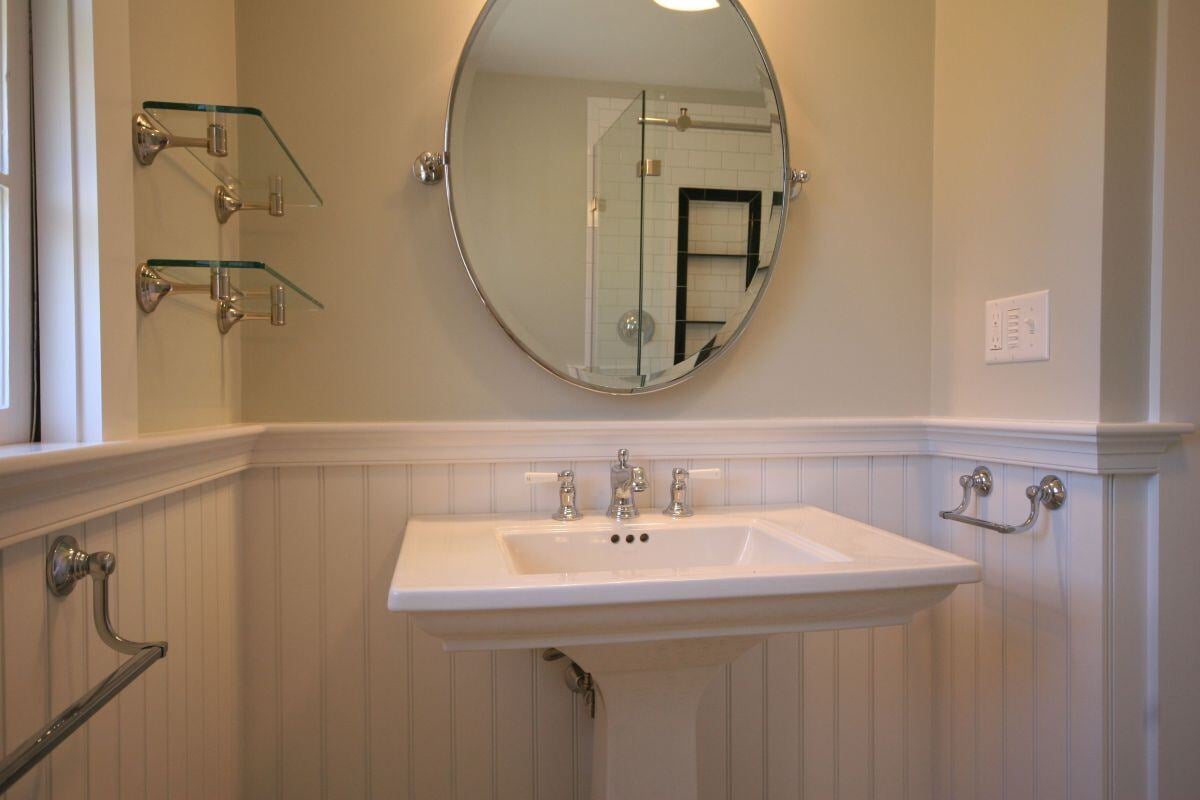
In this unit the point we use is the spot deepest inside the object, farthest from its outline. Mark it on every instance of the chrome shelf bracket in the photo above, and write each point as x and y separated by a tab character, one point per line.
149	140
429	168
1050	493
226	202
228	314
152	287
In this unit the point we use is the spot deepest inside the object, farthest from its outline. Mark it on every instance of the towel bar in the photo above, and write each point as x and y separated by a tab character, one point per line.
1050	493
66	564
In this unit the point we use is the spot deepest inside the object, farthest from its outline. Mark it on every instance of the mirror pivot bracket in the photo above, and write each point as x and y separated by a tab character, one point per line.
429	168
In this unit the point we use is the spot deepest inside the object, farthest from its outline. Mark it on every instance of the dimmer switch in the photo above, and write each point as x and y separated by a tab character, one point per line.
1017	329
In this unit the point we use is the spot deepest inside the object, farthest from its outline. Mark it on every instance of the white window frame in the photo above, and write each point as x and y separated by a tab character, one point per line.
16	225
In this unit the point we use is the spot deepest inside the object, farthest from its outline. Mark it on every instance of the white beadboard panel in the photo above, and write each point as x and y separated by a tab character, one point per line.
171	732
287	676
379	710
1022	660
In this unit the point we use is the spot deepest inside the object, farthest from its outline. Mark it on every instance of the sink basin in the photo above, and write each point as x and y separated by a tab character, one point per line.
505	581
587	546
653	607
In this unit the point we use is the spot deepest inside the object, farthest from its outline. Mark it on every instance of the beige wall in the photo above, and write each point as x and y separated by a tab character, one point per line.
188	374
358	90
1018	181
1178	550
1043	153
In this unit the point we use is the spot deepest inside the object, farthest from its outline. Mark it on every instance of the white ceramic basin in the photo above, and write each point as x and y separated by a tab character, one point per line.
704	542
654	607
505	581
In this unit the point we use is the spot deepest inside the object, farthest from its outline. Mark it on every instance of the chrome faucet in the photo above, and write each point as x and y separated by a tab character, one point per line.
678	508
626	481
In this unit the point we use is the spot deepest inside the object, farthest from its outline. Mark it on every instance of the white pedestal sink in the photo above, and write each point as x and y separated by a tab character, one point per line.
654	607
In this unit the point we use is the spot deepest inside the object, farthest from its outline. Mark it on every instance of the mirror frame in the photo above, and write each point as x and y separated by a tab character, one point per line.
732	338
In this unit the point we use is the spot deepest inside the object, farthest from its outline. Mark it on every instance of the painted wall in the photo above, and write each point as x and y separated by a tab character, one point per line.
1018	199
171	733
359	90
1178	556
188	374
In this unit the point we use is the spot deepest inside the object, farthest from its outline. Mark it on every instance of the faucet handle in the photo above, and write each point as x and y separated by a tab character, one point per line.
567	510
709	473
623	458
638	482
678	506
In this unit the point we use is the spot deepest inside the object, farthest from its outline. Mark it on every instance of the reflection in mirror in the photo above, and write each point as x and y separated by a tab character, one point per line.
616	172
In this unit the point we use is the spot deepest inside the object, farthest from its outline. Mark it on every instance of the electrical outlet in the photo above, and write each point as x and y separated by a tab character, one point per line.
1017	329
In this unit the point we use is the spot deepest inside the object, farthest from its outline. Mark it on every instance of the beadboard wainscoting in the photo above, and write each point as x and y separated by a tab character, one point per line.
287	677
174	731
346	699
1024	661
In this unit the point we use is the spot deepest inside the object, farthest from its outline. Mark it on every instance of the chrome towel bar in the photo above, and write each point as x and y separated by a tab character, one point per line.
1050	493
66	564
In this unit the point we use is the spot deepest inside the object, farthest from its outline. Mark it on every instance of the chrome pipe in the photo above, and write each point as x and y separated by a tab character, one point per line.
683	122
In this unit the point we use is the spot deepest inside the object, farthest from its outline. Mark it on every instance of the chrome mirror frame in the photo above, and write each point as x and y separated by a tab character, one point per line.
424	171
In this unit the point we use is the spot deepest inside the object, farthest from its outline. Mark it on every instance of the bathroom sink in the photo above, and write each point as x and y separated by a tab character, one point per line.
654	607
565	548
504	581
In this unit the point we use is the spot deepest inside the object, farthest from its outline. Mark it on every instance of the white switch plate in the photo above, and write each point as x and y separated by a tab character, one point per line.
1017	329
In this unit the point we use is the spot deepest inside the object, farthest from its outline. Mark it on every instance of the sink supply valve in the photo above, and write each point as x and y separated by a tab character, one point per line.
578	681
678	507
567	509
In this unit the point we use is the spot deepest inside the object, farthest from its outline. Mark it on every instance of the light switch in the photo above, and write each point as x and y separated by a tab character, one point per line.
1017	329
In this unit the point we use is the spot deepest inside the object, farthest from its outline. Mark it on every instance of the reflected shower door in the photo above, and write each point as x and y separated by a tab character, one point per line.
617	210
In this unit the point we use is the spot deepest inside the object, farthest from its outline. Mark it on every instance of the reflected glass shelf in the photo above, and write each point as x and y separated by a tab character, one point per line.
257	154
253	279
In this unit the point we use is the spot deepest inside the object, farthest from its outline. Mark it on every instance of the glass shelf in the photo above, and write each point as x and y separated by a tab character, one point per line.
257	154
254	279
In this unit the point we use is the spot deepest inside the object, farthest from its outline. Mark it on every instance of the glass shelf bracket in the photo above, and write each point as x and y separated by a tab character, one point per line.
244	291
237	144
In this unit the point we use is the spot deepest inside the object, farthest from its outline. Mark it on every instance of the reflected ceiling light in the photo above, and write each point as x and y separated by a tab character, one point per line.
688	5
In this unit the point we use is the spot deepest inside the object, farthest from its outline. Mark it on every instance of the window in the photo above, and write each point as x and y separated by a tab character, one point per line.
16	225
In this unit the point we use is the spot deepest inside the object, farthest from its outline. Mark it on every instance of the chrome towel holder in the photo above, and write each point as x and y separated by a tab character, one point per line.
1050	493
67	564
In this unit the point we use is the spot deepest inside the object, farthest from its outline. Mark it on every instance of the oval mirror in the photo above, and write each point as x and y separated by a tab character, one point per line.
616	176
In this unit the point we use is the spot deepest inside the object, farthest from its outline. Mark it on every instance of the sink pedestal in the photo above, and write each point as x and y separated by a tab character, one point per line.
648	699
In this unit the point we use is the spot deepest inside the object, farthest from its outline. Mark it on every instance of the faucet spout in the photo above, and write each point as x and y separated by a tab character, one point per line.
626	482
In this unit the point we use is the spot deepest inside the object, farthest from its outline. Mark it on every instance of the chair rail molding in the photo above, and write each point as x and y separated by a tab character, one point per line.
46	487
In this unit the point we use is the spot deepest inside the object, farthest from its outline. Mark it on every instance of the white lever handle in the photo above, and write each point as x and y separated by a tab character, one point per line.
704	474
541	477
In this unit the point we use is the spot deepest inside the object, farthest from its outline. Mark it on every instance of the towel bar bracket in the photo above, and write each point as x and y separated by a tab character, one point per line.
1050	493
66	565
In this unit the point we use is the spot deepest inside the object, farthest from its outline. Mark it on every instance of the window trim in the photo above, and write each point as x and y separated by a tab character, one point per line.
16	231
